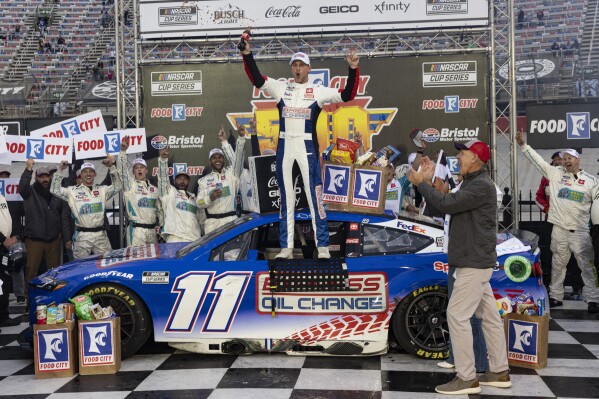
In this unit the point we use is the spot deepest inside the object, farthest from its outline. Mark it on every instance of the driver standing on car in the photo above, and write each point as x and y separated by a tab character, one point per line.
87	202
141	200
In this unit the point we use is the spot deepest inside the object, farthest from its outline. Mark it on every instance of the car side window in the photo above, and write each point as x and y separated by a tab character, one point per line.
234	249
379	240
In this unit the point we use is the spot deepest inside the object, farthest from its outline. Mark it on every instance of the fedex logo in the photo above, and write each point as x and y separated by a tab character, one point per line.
53	349
97	343
410	227
578	124
522	341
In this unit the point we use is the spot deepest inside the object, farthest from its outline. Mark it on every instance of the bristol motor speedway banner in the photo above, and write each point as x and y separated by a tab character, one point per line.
444	97
566	125
178	19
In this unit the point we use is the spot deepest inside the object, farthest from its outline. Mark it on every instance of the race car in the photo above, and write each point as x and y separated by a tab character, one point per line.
386	284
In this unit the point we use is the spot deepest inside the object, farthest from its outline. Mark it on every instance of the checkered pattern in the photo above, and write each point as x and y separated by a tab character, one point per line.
158	371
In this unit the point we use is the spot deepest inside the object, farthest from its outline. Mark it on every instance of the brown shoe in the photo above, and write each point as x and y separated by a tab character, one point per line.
457	386
499	380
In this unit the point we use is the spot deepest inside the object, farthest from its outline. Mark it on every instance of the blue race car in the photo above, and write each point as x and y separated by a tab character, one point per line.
386	284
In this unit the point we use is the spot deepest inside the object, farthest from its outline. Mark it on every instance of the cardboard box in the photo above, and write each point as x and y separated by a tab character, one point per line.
354	188
55	350
100	346
527	340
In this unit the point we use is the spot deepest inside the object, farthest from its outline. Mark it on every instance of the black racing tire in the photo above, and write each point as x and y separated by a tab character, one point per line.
419	322
136	323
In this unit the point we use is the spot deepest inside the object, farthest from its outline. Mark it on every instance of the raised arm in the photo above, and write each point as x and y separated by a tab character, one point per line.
548	170
25	182
163	183
116	185
56	187
121	165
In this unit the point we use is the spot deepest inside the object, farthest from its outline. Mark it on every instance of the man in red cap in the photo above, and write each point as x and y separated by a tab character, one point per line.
471	250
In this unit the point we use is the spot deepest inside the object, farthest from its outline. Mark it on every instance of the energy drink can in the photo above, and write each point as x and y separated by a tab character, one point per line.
69	311
42	313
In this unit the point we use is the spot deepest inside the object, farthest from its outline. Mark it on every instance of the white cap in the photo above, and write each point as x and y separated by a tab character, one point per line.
301	57
215	151
411	158
87	165
571	152
139	161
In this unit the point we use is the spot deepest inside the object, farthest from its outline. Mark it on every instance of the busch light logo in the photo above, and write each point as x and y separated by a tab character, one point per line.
112	142
2	188
70	129
35	148
319	77
452	164
179	112
522	341
179	168
96	343
53	350
452	104
336	183
367	185
579	126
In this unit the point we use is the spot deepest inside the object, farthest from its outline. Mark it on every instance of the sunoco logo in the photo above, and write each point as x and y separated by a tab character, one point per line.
168	16
444	7
181	83
449	74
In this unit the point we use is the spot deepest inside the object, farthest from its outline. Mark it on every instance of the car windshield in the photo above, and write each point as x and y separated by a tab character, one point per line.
215	233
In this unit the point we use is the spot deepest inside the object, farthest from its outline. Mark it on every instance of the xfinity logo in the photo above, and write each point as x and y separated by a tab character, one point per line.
35	149
339	9
578	125
112	142
384	7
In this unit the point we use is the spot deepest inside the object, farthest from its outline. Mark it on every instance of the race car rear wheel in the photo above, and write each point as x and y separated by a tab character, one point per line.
136	324
420	322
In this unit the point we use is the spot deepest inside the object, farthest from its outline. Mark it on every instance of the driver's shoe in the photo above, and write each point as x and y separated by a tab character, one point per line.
323	253
286	253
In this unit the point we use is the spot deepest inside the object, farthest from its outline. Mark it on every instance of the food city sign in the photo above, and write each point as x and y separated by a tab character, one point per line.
98	145
92	122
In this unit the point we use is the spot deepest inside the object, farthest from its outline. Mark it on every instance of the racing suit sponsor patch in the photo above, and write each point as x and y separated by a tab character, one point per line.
296	113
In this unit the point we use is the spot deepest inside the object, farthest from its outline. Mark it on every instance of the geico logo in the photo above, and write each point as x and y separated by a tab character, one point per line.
168	112
15	148
53	149
339	9
90	145
556	126
459	133
464	103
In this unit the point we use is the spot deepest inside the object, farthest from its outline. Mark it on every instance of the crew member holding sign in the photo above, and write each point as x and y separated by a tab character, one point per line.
86	201
217	191
299	104
181	217
141	200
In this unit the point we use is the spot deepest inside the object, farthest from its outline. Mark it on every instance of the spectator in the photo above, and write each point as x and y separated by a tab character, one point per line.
572	191
43	223
6	241
18	29
506	202
61	43
471	250
540	16
555	47
565	48
96	73
112	57
520	17
90	233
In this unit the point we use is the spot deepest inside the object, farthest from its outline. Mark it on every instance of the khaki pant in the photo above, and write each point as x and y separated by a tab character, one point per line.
87	242
49	252
472	295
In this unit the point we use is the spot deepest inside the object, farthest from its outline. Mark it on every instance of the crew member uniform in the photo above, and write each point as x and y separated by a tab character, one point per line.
571	195
142	204
222	210
87	207
396	190
181	217
299	106
5	278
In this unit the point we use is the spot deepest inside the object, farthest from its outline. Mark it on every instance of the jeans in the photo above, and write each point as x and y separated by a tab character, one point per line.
481	362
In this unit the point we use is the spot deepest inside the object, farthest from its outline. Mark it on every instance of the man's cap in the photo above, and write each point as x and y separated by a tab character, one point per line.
42	171
571	152
301	57
87	165
476	146
139	161
556	154
215	151
5	171
181	172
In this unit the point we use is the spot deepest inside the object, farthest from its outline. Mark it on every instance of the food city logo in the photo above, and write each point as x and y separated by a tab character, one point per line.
432	135
335	120
286	12
112	142
175	142
177	112
577	125
449	74
368	295
450	104
444	7
35	149
522	341
53	352
97	346
336	183
228	14
339	9
367	188
385	7
181	167
169	16
176	83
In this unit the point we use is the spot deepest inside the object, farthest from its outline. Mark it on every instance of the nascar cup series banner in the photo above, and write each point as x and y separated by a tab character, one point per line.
178	19
567	125
444	97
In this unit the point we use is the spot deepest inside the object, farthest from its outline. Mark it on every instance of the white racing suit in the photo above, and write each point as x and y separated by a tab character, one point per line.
142	205
181	218
222	210
571	196
299	107
87	207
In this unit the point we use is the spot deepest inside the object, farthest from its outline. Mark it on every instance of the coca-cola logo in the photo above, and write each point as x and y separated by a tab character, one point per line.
287	12
272	182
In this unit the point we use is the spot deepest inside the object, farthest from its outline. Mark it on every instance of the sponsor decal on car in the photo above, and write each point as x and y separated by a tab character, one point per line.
129	254
112	273
155	278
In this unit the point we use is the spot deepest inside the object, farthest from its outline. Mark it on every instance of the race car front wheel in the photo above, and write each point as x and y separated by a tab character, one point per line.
420	322
136	324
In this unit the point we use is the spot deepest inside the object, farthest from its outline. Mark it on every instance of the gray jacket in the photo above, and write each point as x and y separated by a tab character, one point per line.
473	210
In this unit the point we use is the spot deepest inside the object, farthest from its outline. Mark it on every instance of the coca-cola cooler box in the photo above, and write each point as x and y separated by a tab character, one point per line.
354	188
100	346
266	196
55	350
